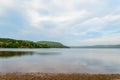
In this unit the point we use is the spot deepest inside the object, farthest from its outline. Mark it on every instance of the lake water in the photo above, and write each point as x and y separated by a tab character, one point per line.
73	60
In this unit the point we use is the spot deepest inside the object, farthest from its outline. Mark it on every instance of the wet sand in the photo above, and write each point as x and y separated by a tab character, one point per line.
59	76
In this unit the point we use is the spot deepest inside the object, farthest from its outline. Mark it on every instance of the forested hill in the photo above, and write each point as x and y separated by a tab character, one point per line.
12	43
52	44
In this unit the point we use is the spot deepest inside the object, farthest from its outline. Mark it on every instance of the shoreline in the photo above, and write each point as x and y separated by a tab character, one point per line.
58	76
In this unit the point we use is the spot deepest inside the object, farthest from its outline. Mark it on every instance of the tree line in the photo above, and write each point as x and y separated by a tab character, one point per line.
11	43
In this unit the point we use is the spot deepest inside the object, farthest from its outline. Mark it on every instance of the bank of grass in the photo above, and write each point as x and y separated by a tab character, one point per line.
46	76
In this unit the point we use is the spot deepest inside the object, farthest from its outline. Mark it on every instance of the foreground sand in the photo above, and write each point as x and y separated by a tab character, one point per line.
46	76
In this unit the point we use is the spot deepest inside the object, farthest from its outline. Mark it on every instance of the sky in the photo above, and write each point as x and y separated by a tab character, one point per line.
71	22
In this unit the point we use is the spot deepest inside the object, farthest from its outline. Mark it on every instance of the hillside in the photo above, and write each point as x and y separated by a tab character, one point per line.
52	44
13	43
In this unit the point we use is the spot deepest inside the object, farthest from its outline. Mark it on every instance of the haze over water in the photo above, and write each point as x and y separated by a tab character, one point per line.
73	60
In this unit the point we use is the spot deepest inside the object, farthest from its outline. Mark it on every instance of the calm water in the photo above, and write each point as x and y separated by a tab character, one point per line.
60	60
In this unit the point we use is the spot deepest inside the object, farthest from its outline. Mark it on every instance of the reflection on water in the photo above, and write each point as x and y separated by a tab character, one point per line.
47	53
60	60
7	54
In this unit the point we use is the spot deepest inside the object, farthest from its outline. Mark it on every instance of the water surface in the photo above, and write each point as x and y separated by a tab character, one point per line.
73	60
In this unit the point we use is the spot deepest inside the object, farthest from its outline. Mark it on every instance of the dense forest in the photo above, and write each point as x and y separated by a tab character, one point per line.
12	43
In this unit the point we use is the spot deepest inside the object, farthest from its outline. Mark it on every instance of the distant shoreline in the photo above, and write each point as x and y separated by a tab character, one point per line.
13	43
97	46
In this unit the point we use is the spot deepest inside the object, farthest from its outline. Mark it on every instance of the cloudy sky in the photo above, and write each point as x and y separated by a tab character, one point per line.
72	22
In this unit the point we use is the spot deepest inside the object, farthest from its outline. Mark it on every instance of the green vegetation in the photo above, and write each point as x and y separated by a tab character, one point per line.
52	44
12	43
40	76
99	46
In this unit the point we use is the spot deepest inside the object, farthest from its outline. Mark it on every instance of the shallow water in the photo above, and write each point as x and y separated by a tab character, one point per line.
71	60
